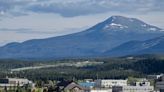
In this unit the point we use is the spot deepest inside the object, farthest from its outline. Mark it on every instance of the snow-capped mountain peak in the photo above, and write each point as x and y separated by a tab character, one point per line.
120	23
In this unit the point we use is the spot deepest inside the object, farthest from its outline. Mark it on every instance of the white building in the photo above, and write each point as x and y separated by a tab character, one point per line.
160	84
154	76
142	85
142	82
109	83
101	90
133	89
10	82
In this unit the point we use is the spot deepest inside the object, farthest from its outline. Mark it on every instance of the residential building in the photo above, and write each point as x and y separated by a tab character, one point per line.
69	86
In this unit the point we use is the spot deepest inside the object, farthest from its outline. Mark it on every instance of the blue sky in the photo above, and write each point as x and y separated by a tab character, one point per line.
21	20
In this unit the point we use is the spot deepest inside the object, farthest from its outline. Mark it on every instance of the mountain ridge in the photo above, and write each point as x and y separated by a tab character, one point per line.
88	43
151	46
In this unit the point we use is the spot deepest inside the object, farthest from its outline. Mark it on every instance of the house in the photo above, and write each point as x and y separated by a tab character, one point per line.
73	87
69	86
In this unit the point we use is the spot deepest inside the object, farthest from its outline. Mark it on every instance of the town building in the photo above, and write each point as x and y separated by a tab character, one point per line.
154	77
160	84
133	88
87	84
69	86
12	83
101	90
9	82
142	82
73	87
108	83
142	85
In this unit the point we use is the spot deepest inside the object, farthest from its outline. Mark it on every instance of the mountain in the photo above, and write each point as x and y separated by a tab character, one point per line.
92	42
152	46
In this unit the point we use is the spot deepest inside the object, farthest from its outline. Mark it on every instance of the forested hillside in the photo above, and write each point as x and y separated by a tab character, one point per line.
123	67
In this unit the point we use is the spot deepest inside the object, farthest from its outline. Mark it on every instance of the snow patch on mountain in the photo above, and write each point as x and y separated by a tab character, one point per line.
115	25
144	25
152	29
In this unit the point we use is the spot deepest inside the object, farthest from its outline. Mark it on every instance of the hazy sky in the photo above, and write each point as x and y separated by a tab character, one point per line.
21	20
